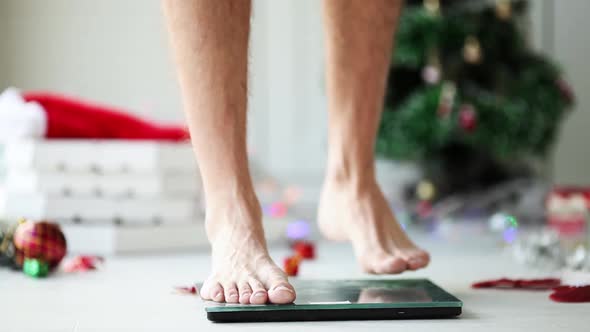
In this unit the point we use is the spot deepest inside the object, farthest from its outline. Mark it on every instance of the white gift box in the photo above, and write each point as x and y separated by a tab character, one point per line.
100	156
28	181
108	239
153	210
111	196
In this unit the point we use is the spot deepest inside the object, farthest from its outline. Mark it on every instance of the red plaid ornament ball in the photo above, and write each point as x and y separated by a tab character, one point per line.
40	240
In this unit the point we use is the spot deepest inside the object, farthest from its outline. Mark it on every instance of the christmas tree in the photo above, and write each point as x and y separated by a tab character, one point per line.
465	88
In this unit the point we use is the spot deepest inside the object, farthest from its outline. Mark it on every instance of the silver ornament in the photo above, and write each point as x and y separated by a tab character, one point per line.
540	250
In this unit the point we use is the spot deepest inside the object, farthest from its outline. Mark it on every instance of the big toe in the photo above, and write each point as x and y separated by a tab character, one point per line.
212	291
280	291
281	294
385	264
416	258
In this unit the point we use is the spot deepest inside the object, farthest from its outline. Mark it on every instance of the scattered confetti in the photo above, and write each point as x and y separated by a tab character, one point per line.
82	263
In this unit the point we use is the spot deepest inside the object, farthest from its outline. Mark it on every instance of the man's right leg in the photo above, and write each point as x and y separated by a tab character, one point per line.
210	40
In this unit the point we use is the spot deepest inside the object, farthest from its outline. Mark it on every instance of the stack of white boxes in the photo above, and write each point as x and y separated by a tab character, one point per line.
109	196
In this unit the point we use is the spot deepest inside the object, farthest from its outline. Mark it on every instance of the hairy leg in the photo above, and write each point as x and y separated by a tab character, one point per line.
210	42
359	38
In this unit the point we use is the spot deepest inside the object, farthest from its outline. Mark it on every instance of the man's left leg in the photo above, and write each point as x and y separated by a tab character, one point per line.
359	37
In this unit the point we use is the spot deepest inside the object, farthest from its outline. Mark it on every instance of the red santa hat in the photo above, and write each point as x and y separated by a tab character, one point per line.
49	115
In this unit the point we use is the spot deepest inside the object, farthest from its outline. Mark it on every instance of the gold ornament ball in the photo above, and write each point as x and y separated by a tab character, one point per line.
425	190
472	50
503	9
432	6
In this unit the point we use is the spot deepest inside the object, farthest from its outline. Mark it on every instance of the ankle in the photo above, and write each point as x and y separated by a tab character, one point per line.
234	210
346	178
350	163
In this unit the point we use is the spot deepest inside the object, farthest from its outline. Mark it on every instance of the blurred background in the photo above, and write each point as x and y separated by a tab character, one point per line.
116	53
485	116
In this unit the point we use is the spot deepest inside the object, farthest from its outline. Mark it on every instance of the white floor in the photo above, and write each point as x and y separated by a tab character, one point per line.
134	293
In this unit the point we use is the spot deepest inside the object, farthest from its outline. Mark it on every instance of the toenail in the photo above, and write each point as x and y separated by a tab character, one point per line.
216	295
259	294
283	288
245	294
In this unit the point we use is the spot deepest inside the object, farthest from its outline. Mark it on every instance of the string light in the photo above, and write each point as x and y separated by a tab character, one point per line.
298	230
510	234
276	210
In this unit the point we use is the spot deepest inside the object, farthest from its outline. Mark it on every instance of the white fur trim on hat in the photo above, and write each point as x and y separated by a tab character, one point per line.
19	119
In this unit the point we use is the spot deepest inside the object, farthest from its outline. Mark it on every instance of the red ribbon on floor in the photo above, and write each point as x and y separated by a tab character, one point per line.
571	294
561	293
505	283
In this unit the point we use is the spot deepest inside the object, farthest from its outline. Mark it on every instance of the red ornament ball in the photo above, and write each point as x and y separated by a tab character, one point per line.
304	249
468	118
41	240
566	91
291	265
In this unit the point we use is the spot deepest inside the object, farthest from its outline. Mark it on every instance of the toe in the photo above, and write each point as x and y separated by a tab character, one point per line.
259	295
416	258
279	289
384	263
390	265
204	291
213	292
245	291
231	293
281	292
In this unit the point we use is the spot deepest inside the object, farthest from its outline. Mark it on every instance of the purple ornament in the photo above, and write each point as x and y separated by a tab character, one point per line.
298	230
510	235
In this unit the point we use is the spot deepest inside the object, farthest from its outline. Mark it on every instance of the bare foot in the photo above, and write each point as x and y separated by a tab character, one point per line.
242	270
359	213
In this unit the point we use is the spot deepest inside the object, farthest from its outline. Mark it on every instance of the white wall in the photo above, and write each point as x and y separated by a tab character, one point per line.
572	49
115	51
111	51
296	101
3	51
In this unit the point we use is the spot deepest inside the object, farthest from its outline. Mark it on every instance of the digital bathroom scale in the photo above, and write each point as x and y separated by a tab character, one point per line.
347	300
